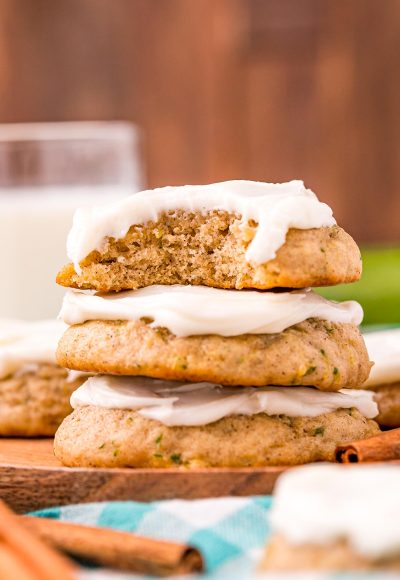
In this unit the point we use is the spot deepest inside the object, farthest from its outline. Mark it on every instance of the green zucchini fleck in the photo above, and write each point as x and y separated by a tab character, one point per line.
176	458
319	431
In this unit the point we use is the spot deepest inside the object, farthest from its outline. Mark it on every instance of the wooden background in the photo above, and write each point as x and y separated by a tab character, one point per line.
259	89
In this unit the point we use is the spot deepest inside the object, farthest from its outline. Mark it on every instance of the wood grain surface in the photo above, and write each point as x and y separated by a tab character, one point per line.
31	478
227	89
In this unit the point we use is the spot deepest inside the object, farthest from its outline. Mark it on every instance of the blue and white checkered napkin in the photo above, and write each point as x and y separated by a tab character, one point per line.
230	532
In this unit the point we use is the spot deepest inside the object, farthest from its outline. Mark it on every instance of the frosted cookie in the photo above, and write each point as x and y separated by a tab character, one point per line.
33	402
223	336
384	351
388	399
34	390
139	422
336	518
234	234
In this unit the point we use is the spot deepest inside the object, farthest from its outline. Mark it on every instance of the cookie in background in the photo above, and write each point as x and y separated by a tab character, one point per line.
336	518
34	390
384	350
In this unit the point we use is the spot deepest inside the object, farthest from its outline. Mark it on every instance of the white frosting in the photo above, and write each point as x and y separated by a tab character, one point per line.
276	207
23	344
191	310
324	503
384	350
191	404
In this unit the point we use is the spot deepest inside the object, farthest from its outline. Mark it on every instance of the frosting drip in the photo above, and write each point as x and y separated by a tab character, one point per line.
276	207
324	503
174	404
200	310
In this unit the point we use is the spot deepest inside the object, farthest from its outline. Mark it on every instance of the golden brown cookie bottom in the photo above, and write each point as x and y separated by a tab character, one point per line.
98	437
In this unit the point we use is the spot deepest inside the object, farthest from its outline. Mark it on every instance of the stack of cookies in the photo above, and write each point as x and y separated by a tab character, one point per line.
192	305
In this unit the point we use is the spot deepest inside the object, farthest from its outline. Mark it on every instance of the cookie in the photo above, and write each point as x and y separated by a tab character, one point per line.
34	401
338	555
100	437
315	352
335	518
384	350
388	399
210	250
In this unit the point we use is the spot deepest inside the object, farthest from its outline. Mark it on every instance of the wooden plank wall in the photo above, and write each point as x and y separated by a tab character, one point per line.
261	89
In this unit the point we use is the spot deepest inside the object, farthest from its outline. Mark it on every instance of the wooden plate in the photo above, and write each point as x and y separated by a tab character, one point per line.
32	478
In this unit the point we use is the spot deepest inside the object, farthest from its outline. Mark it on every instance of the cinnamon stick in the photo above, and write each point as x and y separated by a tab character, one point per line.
23	556
118	550
382	447
11	566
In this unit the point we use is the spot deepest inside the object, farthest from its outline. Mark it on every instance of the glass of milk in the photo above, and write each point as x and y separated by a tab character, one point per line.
47	170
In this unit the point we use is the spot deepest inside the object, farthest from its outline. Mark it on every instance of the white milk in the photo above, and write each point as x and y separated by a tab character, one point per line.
34	223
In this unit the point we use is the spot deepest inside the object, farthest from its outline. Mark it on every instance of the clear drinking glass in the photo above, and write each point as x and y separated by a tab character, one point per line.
47	171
